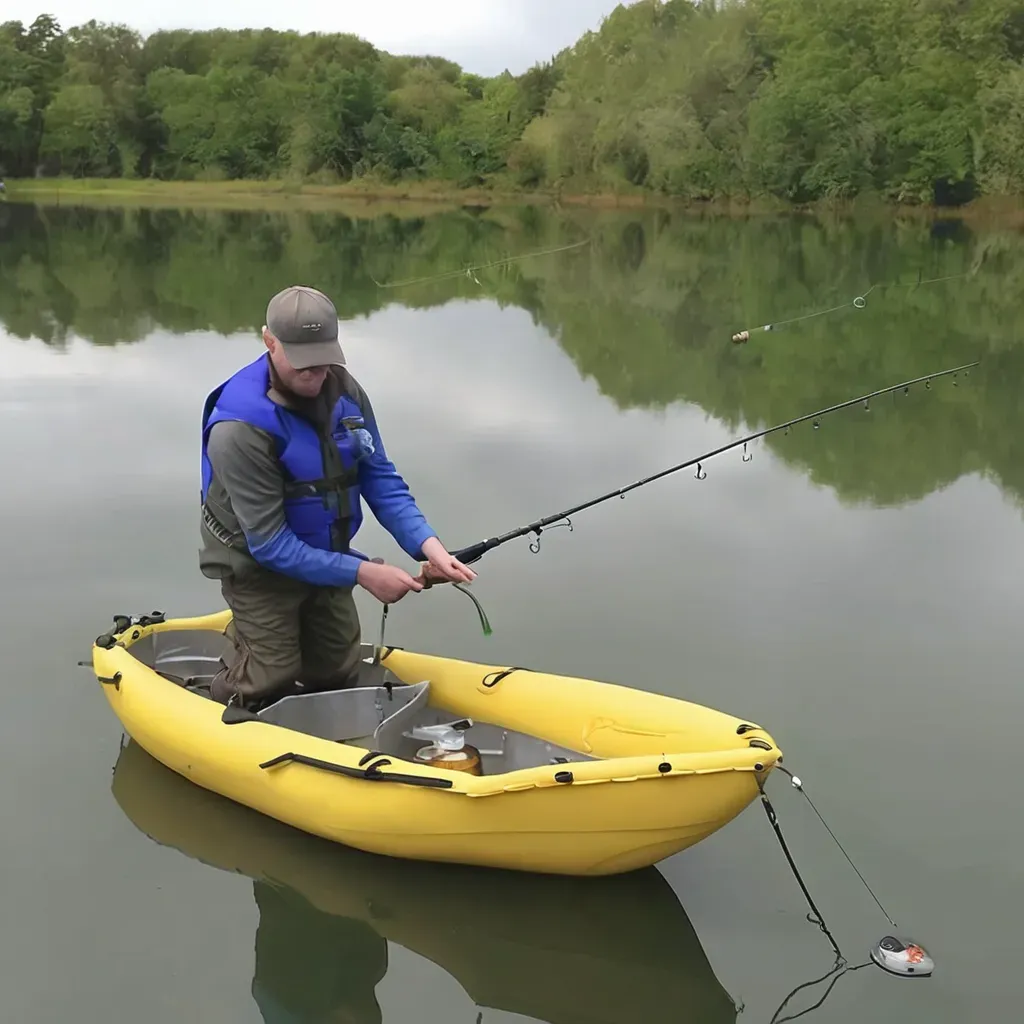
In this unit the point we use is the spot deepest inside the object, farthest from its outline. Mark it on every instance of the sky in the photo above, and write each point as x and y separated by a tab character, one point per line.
483	36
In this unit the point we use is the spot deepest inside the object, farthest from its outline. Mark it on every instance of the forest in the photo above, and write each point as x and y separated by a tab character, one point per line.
907	101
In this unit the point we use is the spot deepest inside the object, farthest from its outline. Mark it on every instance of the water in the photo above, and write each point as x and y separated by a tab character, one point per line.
851	588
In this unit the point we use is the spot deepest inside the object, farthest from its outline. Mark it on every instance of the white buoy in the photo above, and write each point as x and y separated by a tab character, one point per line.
902	957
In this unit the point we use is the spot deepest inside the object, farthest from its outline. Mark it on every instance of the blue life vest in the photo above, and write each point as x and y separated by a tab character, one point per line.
323	511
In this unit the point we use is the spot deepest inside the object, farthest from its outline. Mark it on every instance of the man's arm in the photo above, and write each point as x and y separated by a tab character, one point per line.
388	495
244	462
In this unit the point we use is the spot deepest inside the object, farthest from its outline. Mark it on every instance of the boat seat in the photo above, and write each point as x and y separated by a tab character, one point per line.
362	715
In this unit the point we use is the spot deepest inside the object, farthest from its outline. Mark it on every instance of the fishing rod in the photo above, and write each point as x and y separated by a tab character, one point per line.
474	552
857	302
470	271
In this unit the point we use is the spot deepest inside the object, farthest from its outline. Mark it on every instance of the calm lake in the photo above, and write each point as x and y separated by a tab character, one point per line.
855	589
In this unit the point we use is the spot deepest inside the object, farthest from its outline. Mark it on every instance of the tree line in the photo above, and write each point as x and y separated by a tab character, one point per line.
908	100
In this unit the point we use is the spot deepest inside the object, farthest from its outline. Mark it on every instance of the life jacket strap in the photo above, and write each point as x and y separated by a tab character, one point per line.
319	488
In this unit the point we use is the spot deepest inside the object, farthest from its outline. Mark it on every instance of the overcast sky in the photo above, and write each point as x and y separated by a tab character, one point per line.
484	36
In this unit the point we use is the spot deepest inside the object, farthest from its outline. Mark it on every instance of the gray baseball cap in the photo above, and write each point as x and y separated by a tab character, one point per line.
305	321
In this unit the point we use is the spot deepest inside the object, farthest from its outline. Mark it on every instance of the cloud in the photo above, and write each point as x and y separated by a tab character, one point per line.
484	36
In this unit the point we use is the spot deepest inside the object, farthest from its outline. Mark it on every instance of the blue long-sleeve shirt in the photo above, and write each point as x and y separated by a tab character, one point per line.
245	497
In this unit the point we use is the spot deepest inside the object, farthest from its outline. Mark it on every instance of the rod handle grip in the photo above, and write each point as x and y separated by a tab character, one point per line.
472	553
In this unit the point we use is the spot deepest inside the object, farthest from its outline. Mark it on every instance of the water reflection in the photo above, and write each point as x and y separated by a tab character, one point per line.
646	309
559	950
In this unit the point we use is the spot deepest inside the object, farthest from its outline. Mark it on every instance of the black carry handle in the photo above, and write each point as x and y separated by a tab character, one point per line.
372	772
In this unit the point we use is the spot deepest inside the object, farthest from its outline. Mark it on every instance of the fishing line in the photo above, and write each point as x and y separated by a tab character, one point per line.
858	302
470	272
798	785
903	958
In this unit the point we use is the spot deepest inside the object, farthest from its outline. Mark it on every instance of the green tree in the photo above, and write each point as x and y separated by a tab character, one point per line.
916	101
80	133
31	62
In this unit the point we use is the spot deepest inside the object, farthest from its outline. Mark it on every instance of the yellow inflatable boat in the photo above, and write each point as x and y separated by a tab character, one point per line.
563	950
567	776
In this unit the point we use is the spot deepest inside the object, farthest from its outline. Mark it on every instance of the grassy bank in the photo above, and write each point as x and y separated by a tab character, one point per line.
412	199
241	194
372	195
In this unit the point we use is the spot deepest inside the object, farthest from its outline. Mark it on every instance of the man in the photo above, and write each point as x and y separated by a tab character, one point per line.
311	962
290	446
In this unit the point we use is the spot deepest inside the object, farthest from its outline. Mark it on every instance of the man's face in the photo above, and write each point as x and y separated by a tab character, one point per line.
307	382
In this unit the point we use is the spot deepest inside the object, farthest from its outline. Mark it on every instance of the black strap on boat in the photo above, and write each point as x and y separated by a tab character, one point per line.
371	773
496	677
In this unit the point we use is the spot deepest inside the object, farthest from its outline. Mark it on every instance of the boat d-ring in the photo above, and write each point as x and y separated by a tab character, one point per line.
860	302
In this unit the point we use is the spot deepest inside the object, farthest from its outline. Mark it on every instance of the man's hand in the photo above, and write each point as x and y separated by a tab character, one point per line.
387	583
443	567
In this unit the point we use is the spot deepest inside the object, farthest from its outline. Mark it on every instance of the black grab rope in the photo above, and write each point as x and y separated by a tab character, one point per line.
817	919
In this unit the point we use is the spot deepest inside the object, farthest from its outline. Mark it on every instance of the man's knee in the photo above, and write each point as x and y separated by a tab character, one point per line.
257	671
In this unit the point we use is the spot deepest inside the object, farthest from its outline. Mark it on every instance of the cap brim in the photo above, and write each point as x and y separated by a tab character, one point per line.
317	353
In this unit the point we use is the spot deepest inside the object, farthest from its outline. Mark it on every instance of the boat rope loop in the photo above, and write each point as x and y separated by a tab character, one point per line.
496	677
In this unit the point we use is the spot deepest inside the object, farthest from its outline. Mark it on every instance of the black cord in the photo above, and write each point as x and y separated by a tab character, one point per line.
820	921
840	967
